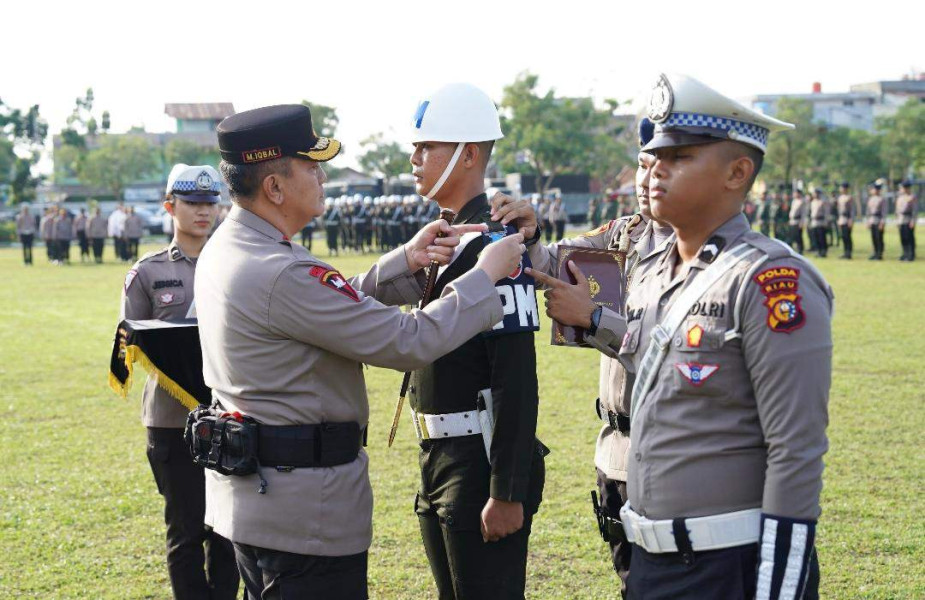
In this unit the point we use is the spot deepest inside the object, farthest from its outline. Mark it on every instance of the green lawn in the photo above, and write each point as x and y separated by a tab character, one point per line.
80	516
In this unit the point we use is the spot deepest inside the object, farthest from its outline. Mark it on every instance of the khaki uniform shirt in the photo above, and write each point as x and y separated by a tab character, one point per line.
25	224
160	286
847	211
96	227
737	413
907	209
80	225
799	210
614	387
284	339
819	212
134	227
876	211
63	228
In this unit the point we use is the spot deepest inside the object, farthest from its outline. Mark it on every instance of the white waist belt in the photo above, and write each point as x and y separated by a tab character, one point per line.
706	533
447	425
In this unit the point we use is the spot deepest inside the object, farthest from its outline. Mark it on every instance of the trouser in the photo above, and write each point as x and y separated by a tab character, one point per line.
613	496
765	229
455	484
560	230
200	563
820	243
359	238
332	231
51	250
64	250
876	236
84	244
796	238
131	248
847	240
118	243
727	574
98	249
277	575
26	240
907	238
307	237
547	225
782	231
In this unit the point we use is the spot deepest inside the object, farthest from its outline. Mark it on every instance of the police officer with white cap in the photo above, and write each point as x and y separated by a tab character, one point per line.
284	340
160	286
728	335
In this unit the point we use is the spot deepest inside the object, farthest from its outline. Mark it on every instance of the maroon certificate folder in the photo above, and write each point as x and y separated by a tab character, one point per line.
604	270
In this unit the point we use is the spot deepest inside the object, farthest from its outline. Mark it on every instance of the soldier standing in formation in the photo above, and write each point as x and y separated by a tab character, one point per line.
200	563
763	212
799	211
63	234
780	214
819	222
25	229
80	231
134	229
907	212
47	229
847	212
96	231
876	219
331	219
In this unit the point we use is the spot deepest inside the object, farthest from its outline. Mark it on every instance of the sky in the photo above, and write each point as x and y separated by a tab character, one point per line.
374	60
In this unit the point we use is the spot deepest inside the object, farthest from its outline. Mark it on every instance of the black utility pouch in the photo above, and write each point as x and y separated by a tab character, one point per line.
223	442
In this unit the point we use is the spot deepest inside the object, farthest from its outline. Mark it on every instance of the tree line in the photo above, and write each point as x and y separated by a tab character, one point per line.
546	134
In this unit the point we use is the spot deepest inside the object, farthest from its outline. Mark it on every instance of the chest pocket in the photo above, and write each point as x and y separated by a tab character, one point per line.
164	298
630	343
698	335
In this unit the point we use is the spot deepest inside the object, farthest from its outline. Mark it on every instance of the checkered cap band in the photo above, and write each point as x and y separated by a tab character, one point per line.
755	133
190	186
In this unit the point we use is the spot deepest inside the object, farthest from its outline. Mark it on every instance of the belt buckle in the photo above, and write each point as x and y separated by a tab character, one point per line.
421	423
645	535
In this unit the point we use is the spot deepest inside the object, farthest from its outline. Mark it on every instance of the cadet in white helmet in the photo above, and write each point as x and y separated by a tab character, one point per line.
475	409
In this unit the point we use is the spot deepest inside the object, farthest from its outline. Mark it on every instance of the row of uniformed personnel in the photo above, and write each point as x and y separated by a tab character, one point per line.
364	224
699	380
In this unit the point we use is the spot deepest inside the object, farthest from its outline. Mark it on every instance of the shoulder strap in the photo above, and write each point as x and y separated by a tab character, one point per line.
663	332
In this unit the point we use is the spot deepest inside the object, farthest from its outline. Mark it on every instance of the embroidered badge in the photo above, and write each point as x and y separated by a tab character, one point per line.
712	248
602	229
694	336
129	278
696	373
335	281
167	298
779	286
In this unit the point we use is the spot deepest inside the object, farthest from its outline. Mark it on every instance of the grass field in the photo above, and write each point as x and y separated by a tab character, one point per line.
80	516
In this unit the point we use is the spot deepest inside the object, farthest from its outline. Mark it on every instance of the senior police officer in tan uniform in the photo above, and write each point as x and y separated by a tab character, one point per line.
284	339
728	335
638	236
160	286
907	213
819	214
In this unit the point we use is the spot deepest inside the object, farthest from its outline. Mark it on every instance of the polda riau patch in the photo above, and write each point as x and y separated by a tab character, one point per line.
334	280
780	286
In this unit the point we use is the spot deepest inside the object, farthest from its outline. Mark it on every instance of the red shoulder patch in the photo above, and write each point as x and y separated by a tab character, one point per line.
335	281
780	286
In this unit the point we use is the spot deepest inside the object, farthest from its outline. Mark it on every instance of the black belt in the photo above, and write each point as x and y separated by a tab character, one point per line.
617	421
309	446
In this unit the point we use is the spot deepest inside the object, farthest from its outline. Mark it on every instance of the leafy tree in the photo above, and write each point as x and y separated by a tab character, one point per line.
387	159
118	161
548	135
903	148
789	153
23	134
182	150
324	118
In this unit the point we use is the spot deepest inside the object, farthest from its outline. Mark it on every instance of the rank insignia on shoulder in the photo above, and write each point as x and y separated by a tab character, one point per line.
130	277
696	373
712	248
334	280
602	229
779	286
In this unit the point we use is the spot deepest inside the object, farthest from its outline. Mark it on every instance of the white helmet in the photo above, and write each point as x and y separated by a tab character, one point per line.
458	112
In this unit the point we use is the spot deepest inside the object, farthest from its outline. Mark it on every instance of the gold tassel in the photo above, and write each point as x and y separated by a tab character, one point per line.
134	353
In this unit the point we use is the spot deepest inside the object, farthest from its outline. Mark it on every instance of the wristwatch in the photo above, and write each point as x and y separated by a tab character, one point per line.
595	320
536	236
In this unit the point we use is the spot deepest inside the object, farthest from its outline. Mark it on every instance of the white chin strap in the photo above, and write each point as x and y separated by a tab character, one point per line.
446	172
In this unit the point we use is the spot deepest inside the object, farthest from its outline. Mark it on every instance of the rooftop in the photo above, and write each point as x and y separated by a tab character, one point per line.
206	111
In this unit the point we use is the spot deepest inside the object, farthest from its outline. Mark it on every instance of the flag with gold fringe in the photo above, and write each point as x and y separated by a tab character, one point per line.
168	351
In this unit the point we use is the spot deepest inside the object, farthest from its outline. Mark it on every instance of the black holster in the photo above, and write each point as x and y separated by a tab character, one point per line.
223	442
610	527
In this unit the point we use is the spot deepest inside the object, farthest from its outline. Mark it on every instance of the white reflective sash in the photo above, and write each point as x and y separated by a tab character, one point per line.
663	332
